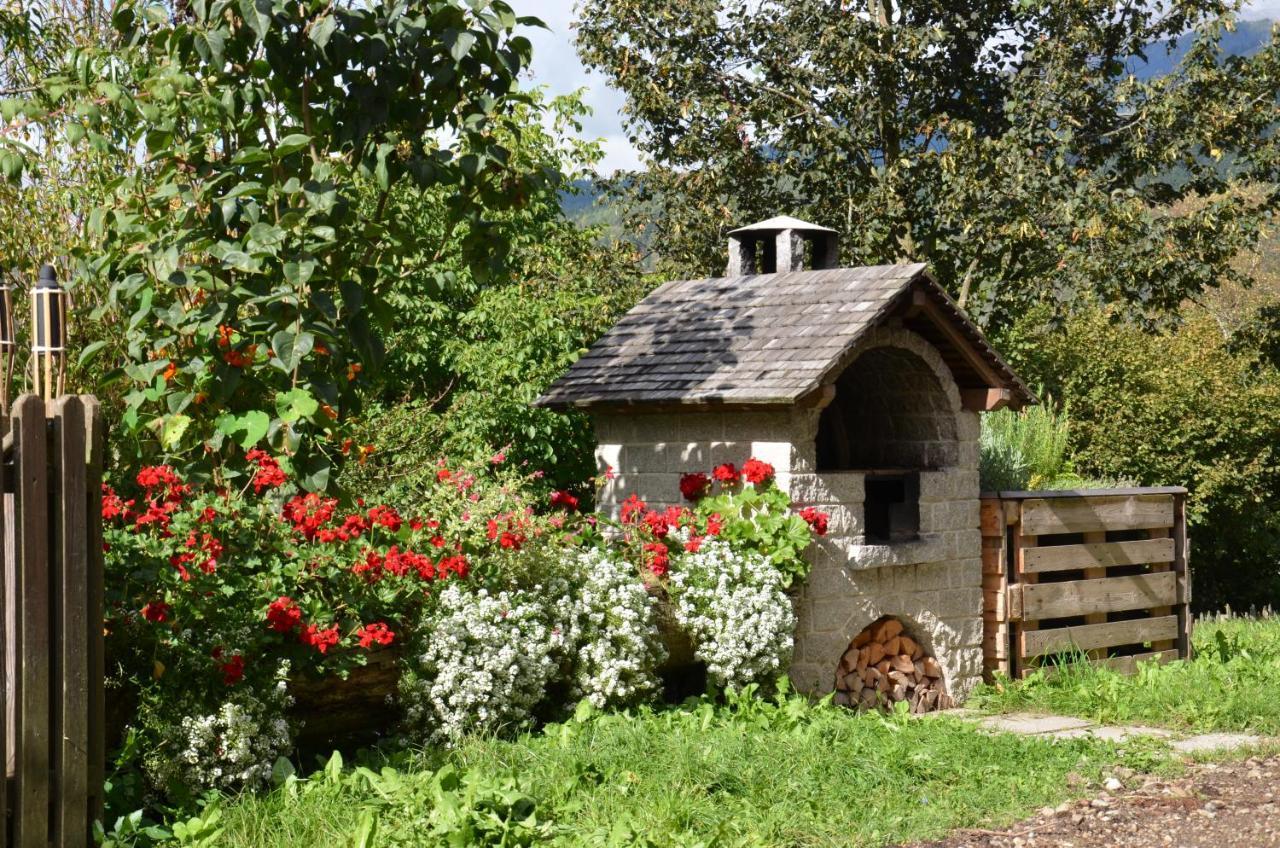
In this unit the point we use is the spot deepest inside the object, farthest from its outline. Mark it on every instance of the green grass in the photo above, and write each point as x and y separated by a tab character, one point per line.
752	773
1231	684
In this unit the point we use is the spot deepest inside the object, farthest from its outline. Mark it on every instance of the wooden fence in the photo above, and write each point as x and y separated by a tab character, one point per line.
1099	571
51	639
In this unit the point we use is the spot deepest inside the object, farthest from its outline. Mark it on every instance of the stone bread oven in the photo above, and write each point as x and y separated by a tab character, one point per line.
862	387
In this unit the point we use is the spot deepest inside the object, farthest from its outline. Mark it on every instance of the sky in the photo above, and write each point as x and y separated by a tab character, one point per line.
556	65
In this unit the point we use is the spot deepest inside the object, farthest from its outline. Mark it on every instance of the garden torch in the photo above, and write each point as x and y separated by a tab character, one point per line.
48	333
8	346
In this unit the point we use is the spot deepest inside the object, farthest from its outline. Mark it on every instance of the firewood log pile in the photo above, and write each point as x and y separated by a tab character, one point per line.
884	665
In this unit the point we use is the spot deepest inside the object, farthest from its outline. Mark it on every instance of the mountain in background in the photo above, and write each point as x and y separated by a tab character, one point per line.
1248	38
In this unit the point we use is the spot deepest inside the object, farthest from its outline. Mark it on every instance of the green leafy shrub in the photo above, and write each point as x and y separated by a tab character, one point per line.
465	361
247	254
1179	407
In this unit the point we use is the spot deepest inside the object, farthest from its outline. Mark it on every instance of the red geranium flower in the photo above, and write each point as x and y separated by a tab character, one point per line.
322	639
385	516
309	513
816	520
657	523
725	473
632	508
115	507
694	486
375	633
756	472
563	499
370	565
715	523
658	557
269	474
456	564
232	670
156	476
156	612
283	614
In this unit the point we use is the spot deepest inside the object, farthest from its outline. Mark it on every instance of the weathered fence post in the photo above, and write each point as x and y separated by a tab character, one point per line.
52	591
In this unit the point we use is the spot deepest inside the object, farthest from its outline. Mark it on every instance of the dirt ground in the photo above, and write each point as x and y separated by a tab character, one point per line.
1233	805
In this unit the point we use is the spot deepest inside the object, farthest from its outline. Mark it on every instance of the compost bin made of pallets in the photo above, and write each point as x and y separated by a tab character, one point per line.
1101	572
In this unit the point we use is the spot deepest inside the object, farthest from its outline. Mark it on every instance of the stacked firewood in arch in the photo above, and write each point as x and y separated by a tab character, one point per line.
884	665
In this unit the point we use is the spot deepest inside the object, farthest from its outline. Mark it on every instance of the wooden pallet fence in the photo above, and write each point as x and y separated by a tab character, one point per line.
51	638
1101	572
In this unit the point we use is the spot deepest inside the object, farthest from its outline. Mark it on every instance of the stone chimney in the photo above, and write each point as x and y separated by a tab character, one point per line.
778	245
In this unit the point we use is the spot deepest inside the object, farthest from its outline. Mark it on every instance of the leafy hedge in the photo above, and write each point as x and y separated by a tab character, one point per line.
1187	406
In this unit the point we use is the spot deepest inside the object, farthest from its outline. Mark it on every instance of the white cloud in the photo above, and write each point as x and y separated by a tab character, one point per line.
1261	9
556	65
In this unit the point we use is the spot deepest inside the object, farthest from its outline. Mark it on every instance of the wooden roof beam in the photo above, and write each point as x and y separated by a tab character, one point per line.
923	304
985	400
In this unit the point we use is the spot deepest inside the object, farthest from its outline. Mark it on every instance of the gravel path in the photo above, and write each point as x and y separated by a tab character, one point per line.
1211	806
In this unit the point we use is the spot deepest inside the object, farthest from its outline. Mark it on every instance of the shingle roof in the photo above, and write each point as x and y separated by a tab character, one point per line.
760	340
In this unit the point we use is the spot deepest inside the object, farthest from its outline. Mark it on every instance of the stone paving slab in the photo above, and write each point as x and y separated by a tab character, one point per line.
1070	727
1113	733
1032	724
1210	742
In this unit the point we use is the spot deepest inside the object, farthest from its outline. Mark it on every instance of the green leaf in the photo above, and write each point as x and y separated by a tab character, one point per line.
313	473
366	829
322	30
256	424
281	770
211	44
333	769
90	351
296	404
173	429
459	43
257	14
11	165
380	174
291	144
298	273
249	155
253	426
290	349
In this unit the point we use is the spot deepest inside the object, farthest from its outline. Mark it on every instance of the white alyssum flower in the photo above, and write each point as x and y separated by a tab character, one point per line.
486	665
734	609
234	747
611	632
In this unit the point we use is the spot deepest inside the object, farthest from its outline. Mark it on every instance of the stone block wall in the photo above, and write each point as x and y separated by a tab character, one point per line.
933	584
647	452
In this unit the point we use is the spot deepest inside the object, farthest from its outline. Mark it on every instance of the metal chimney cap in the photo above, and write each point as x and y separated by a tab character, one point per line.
782	222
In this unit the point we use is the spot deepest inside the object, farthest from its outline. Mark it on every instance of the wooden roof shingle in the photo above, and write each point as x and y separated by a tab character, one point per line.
763	340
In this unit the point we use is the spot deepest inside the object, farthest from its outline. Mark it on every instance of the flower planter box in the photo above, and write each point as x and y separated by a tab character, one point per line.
362	705
674	639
